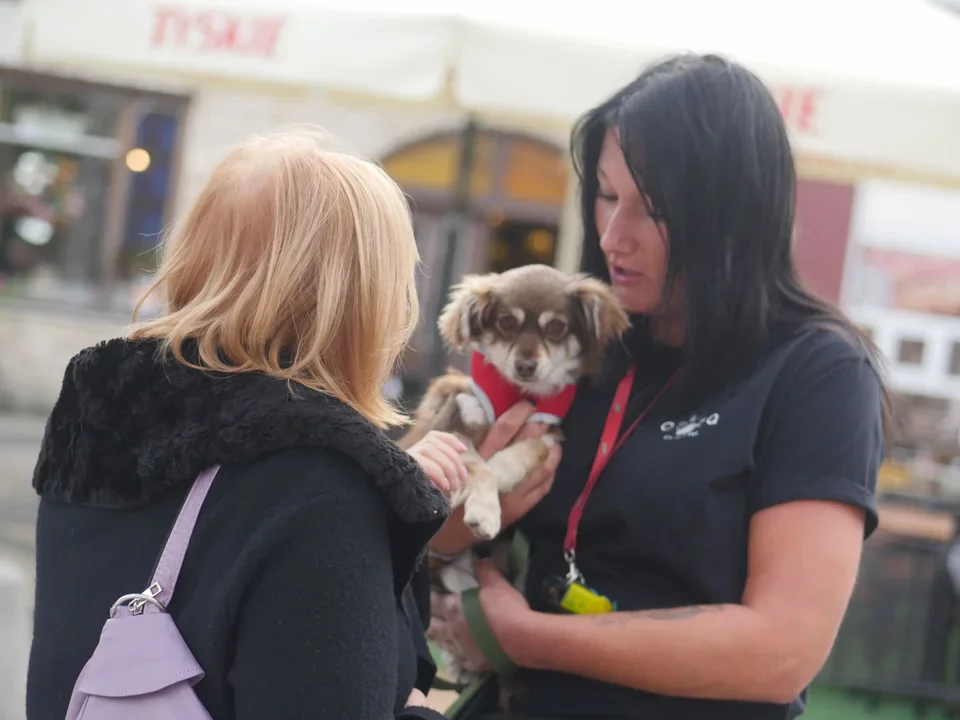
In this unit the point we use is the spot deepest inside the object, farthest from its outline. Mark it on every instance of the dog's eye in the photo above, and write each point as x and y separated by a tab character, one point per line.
555	328
507	323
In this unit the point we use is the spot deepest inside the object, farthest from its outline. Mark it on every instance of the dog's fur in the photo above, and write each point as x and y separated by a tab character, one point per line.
529	317
543	330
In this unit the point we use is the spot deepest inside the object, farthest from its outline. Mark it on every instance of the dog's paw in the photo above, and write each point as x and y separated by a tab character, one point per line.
471	411
458	497
482	521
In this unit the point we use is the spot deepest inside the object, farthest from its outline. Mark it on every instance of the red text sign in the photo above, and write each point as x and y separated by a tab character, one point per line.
215	31
800	107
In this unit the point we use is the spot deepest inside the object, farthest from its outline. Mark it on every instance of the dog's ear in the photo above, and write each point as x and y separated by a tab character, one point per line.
468	311
603	315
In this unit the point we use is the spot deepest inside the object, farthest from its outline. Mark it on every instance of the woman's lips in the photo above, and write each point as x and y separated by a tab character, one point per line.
622	276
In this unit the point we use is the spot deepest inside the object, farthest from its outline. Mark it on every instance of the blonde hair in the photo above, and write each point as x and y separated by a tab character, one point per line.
296	261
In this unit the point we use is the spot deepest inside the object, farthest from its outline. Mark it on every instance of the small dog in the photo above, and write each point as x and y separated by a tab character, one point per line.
534	332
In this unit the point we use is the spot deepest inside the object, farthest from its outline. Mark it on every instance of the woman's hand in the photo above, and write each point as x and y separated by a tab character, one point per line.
518	503
509	428
455	536
504	608
416	699
438	453
507	612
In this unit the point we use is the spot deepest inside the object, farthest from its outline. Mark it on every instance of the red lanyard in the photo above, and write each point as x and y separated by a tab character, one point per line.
609	444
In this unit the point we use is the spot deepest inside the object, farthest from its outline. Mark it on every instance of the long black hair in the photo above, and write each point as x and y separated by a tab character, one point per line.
707	145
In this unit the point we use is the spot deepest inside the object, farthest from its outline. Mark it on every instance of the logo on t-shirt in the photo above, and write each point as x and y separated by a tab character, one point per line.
687	428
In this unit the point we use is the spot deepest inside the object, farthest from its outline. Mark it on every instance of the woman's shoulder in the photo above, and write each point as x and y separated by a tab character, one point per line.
811	369
281	492
815	348
826	369
308	476
304	474
332	494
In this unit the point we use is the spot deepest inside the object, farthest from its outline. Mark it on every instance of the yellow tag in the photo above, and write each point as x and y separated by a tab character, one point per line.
583	601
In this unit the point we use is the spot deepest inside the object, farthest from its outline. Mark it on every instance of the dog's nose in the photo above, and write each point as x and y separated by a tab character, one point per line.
525	368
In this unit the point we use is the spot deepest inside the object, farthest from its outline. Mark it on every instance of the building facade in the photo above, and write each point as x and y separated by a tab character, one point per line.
95	168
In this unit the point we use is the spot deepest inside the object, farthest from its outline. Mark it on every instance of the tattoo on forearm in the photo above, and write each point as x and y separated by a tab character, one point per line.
668	614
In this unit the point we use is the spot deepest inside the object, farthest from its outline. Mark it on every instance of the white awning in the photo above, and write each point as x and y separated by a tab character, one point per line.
866	81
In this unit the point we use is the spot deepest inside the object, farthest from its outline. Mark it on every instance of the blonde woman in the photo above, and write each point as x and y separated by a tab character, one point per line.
289	290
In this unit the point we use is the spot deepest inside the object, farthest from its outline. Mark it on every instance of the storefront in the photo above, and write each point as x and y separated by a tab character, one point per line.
86	175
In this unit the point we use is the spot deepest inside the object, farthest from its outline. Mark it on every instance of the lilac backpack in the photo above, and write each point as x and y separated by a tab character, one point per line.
141	667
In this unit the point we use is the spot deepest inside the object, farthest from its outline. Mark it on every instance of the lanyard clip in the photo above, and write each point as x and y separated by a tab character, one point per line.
573	572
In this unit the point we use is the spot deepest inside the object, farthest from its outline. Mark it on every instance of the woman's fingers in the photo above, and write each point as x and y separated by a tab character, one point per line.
533	490
449	440
450	448
532	430
417	699
439	456
450	465
435	474
542	486
543	475
505	429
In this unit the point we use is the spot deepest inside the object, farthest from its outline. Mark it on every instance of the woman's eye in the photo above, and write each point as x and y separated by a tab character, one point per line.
606	197
507	323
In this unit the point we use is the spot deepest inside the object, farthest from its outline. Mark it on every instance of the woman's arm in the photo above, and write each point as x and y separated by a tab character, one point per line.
317	633
419	710
813	490
802	567
455	537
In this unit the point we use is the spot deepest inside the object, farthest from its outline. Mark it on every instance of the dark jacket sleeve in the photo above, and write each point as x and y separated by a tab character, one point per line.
317	635
416	605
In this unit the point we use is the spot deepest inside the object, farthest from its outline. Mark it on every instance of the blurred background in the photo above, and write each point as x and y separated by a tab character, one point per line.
112	112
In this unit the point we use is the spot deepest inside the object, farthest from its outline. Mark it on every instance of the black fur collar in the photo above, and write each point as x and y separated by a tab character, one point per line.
129	426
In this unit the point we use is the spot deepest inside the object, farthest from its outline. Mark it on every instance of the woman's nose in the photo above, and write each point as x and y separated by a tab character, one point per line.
614	237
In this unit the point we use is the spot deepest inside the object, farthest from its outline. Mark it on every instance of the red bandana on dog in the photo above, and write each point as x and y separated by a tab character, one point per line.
497	394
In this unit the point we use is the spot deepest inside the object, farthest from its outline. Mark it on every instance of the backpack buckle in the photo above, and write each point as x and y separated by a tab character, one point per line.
136	601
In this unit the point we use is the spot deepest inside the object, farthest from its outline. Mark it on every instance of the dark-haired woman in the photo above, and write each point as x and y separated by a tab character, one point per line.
717	483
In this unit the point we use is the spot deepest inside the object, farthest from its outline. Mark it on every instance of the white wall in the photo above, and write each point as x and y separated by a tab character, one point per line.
35	346
10	16
908	218
222	117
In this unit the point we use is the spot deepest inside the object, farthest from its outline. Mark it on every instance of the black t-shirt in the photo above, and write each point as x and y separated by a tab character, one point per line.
667	523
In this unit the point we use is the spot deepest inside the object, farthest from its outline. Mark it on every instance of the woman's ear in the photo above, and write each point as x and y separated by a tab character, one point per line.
604	317
468	311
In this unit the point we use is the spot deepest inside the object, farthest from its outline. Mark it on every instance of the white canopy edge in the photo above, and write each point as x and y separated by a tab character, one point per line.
866	81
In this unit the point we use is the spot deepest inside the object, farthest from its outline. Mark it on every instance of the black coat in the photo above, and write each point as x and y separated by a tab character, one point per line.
295	593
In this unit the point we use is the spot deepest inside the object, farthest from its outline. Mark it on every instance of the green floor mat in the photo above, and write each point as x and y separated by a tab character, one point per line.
828	704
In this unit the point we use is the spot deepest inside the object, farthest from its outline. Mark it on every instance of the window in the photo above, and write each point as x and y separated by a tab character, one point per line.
151	187
86	183
910	352
55	156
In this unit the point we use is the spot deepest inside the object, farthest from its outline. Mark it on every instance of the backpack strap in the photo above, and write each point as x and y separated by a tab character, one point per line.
171	559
